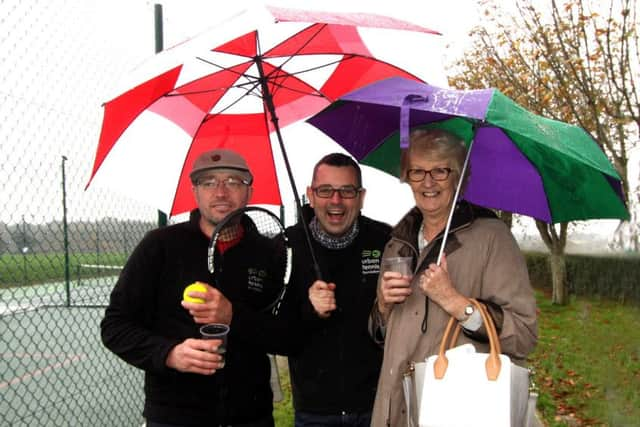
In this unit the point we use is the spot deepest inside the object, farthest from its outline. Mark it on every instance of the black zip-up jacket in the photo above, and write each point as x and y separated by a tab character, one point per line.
336	367
144	321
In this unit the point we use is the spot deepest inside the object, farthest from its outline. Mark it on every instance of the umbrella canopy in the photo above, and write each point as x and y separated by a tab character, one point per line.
231	87
520	162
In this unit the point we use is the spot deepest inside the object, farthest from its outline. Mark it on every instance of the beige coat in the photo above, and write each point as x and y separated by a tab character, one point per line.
484	262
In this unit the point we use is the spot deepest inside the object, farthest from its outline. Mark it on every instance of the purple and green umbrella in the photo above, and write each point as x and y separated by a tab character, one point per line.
520	162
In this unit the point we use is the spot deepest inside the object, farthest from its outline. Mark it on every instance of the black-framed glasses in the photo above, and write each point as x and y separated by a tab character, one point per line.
231	183
327	191
437	174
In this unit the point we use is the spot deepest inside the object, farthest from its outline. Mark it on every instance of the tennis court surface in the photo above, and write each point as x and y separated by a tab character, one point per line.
54	369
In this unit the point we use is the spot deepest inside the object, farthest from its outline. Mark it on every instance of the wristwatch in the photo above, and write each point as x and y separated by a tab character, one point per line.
473	319
469	310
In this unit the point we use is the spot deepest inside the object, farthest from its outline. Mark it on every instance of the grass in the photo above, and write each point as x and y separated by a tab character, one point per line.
30	269
587	365
283	410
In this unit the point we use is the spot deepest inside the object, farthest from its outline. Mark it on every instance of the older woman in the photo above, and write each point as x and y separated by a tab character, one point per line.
482	260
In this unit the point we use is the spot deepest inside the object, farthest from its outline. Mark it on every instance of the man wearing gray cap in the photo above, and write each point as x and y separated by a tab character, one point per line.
149	326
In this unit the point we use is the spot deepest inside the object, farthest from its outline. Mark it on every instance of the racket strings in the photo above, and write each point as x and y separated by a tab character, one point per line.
267	239
271	228
266	225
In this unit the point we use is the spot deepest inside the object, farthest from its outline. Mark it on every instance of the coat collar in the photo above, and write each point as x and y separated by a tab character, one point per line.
408	228
407	231
465	213
194	220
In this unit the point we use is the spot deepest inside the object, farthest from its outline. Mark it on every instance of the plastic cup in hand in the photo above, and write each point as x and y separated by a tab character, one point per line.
216	331
401	265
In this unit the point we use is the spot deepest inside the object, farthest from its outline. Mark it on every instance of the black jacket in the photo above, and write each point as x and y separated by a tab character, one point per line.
144	320
336	367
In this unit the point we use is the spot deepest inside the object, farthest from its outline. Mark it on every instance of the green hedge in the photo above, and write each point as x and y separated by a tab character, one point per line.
610	277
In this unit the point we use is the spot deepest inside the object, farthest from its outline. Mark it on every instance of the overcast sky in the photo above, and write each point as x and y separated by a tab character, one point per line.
61	60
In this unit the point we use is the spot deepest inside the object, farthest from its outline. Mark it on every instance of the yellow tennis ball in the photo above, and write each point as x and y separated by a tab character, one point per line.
194	287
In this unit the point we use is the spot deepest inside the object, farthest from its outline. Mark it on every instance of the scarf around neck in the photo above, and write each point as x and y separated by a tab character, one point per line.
333	242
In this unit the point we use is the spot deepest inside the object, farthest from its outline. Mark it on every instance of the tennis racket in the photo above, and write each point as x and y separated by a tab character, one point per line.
250	258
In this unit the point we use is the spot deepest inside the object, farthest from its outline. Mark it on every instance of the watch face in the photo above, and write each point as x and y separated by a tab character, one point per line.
468	310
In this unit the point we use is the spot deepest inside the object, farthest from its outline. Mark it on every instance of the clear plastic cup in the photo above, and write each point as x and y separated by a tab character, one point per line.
216	331
401	265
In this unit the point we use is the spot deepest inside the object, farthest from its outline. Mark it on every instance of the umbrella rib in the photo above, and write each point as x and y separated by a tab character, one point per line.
302	46
217	89
279	85
270	77
196	92
274	77
221	68
248	93
291	56
251	80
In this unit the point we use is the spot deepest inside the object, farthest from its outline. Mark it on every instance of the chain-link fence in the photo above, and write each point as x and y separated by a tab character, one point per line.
61	246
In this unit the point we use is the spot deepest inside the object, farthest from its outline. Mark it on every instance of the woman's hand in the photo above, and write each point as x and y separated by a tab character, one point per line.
436	284
394	289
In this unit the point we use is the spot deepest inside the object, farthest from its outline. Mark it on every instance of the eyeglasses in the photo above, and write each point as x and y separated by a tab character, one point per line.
231	183
437	174
327	191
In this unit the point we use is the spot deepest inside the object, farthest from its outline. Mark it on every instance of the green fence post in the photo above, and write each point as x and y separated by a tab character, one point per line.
65	233
24	250
157	9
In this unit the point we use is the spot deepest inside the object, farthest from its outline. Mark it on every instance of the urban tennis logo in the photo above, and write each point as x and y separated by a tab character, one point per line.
255	279
371	261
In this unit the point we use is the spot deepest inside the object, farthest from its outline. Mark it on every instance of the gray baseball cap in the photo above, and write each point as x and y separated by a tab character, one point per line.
220	158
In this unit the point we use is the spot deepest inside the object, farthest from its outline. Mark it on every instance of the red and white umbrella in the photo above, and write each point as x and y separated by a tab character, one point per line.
234	86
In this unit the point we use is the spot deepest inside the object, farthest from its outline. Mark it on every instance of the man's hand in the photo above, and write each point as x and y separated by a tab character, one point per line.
323	298
216	308
195	356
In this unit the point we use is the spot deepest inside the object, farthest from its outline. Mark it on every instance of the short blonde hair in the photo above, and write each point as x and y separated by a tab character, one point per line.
435	143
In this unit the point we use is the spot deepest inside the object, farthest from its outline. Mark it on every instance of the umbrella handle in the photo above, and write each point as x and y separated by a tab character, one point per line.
307	235
268	101
405	112
455	197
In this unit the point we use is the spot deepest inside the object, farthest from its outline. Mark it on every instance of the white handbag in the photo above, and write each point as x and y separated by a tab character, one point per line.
462	388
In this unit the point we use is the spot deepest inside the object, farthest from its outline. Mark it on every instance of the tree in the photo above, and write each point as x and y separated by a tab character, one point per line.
576	62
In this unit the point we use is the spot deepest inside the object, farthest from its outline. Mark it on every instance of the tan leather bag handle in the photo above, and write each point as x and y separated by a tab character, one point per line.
492	365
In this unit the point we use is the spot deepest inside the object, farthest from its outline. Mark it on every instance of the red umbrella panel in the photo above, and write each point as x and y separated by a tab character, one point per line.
233	87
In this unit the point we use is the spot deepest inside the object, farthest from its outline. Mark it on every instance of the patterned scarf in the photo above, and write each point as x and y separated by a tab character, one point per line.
329	241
